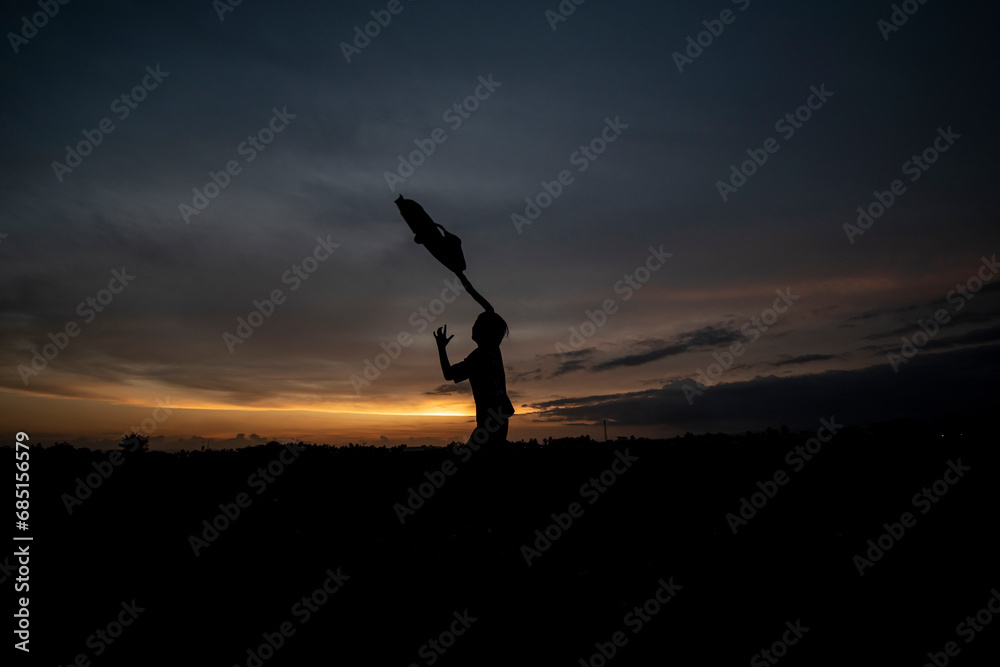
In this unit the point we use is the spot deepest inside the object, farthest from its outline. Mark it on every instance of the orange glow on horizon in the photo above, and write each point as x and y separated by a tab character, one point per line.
437	419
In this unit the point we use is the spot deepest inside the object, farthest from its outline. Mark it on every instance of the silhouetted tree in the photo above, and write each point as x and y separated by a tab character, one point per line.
134	443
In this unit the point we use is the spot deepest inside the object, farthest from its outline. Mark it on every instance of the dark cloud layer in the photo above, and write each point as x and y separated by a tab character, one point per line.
962	382
803	359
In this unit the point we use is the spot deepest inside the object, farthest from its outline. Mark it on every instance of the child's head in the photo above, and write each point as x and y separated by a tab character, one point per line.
489	329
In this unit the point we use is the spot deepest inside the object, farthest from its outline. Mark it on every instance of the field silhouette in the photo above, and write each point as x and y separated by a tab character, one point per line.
333	516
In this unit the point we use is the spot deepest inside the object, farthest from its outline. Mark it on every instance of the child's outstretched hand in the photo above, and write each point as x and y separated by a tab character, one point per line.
441	336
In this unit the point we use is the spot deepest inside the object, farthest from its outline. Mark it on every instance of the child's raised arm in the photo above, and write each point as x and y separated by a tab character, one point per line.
442	338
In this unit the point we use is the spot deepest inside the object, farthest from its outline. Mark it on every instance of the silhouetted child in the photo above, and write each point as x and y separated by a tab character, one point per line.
483	368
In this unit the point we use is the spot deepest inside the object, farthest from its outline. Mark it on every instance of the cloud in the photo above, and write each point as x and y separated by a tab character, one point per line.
448	389
804	359
576	361
940	341
641	352
566	362
879	313
705	337
974	337
929	385
711	336
970	312
643	358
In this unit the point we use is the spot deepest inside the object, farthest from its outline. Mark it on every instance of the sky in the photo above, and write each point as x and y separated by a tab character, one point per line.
696	216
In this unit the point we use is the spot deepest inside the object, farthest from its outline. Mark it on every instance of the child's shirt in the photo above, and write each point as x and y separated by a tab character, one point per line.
483	368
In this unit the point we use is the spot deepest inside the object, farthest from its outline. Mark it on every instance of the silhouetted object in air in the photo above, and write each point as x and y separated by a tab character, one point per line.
483	368
445	246
442	244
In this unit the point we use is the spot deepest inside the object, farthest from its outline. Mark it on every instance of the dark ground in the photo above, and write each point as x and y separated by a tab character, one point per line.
663	518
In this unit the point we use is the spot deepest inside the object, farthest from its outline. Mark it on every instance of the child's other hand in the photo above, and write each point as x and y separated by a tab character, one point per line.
441	336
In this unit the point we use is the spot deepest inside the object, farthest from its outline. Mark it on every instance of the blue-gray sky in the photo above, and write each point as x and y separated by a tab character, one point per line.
876	103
